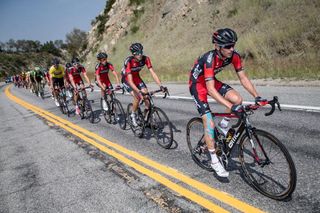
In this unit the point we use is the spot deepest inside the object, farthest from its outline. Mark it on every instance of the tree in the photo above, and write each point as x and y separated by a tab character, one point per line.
11	44
2	47
50	48
76	41
58	43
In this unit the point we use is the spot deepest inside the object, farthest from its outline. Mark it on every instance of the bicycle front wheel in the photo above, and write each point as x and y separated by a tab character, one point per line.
161	128
119	114
197	145
137	130
268	165
89	111
105	106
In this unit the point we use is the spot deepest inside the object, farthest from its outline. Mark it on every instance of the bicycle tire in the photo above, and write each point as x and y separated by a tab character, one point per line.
262	138
106	113
119	114
158	124
196	144
60	104
89	111
137	130
81	107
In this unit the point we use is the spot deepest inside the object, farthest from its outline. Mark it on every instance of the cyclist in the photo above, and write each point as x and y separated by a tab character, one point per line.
102	74
69	88
132	81
202	82
38	76
23	79
76	79
56	72
32	81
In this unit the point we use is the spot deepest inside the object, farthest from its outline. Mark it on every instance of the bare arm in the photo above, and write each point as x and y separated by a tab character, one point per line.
87	78
155	77
72	81
116	76
246	83
99	82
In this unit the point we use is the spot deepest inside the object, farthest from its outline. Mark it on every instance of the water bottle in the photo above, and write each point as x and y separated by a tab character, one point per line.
230	135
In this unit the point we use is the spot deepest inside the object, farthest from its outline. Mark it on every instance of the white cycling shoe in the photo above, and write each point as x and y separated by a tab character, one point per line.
134	119
219	169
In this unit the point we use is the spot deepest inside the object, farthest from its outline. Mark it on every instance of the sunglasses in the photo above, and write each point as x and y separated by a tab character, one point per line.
228	46
75	64
138	53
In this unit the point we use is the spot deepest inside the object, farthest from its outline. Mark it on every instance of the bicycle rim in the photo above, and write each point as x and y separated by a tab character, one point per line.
274	175
196	144
119	114
161	128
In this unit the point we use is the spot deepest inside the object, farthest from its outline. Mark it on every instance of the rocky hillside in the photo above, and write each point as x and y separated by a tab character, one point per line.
277	38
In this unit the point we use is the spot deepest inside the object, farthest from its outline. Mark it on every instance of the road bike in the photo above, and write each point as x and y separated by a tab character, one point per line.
85	104
62	100
112	108
153	118
265	161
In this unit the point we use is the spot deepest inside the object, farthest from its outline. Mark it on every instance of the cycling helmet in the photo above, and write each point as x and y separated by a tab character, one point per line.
136	48
102	55
37	68
68	65
224	37
75	61
55	61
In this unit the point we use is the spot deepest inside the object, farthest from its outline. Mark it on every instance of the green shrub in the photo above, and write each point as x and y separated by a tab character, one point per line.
134	29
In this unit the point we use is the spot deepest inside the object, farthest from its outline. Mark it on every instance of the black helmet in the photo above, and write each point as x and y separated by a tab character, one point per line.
75	61
136	48
224	37
68	65
102	55
55	61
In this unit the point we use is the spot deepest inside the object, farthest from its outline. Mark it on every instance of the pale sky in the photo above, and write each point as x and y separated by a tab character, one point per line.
46	20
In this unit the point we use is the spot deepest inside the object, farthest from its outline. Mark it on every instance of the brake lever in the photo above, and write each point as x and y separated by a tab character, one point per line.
273	103
166	94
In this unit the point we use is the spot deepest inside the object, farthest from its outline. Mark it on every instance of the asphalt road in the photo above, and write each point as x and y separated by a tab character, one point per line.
46	169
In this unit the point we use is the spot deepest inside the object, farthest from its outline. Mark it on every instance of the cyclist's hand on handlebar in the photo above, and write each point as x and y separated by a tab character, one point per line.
163	89
237	109
260	101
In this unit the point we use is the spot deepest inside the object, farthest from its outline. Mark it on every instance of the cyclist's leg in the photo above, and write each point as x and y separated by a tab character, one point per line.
231	95
136	99
142	86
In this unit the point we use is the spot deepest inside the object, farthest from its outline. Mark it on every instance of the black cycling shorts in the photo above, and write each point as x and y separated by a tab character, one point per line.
58	82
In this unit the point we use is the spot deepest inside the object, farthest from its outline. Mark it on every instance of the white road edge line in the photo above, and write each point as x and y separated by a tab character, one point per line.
284	106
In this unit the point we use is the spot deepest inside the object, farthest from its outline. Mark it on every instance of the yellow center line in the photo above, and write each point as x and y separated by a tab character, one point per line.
222	196
157	177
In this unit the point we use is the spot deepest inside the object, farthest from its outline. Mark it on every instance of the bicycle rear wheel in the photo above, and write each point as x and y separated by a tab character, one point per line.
139	129
196	144
161	127
268	165
119	114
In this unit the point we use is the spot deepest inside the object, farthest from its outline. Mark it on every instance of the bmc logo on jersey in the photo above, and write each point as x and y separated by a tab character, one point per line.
209	59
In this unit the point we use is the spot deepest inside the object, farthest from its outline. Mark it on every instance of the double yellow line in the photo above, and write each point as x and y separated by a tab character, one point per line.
110	147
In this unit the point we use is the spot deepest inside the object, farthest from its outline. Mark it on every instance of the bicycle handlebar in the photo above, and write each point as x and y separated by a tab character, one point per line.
88	87
250	107
151	93
272	103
